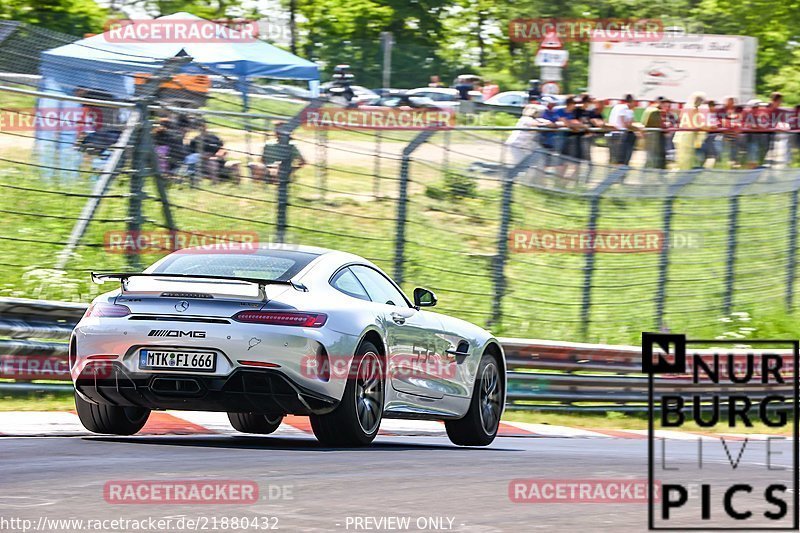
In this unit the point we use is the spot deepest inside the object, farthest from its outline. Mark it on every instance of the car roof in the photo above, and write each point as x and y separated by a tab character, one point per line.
446	90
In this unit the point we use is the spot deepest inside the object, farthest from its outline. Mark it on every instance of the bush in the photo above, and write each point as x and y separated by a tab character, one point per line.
459	186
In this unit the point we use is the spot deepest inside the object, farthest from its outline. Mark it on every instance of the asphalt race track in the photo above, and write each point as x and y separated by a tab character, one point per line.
306	487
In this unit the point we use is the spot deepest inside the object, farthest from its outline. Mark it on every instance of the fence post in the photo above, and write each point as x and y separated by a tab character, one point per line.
376	183
733	227
594	215
138	119
141	165
666	230
499	260
284	133
402	212
322	162
791	252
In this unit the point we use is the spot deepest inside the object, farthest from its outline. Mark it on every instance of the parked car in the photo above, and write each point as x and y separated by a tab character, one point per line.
401	98
509	98
362	94
444	96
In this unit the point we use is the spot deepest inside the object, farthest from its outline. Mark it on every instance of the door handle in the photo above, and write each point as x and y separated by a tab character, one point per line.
398	318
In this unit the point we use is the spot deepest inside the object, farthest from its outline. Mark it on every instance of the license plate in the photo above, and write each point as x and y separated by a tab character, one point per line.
176	360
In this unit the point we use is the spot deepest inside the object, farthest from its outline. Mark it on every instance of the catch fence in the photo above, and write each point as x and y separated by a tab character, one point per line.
526	242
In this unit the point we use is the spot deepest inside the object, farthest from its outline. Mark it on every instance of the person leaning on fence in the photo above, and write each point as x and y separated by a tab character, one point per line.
653	122
521	142
570	118
550	118
623	138
690	136
274	152
709	147
592	116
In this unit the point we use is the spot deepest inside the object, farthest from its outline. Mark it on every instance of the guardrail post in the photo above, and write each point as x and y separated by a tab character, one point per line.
284	133
733	227
791	252
499	260
666	230
402	201
594	215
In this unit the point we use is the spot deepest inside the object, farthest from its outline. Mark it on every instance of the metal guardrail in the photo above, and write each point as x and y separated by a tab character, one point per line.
542	375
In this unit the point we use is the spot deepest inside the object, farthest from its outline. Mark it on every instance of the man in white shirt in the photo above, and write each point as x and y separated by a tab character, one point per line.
624	139
522	142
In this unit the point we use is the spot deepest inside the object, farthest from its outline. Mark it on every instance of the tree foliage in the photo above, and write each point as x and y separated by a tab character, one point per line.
450	37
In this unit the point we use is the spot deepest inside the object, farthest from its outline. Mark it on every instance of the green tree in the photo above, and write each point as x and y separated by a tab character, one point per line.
74	17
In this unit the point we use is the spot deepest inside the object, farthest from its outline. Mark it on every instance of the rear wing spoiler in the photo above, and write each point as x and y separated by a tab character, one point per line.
123	277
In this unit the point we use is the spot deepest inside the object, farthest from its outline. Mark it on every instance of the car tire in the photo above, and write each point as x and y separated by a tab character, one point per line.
479	426
357	418
253	423
110	419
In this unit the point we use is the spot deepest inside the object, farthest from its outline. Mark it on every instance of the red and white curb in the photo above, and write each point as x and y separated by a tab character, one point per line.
64	423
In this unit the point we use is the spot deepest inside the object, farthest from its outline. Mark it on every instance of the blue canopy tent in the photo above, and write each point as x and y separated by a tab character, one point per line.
101	63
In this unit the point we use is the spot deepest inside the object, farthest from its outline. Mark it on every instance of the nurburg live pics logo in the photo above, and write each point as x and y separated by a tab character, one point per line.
726	480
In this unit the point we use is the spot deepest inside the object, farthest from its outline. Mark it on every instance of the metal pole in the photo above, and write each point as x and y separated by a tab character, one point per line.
499	260
376	184
594	215
733	228
114	162
141	164
285	167
791	252
663	260
400	236
388	41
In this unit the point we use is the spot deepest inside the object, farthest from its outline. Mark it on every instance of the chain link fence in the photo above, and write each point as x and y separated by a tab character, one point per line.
527	242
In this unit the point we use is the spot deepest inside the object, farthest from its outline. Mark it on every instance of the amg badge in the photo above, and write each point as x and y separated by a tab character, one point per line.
176	333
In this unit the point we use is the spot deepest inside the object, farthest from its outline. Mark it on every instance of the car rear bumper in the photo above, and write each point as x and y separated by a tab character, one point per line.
243	390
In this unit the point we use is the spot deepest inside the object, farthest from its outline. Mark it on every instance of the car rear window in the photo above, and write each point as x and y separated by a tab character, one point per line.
269	265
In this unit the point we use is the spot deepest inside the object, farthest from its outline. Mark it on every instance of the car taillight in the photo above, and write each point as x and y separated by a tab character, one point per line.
107	310
282	318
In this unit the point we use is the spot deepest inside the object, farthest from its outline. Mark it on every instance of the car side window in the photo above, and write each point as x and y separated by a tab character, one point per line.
379	288
346	282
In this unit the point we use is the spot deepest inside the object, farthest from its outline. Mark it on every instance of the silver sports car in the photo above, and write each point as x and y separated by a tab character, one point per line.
279	330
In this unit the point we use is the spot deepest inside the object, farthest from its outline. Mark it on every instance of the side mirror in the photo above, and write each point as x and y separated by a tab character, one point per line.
424	298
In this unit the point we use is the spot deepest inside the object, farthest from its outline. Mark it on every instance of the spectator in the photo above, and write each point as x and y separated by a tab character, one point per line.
592	116
775	121
728	119
569	117
162	143
689	138
436	81
550	118
211	157
571	139
522	142
489	89
623	138
708	150
274	152
756	121
654	118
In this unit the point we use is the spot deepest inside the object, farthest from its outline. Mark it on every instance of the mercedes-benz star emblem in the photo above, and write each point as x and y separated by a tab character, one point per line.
182	306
